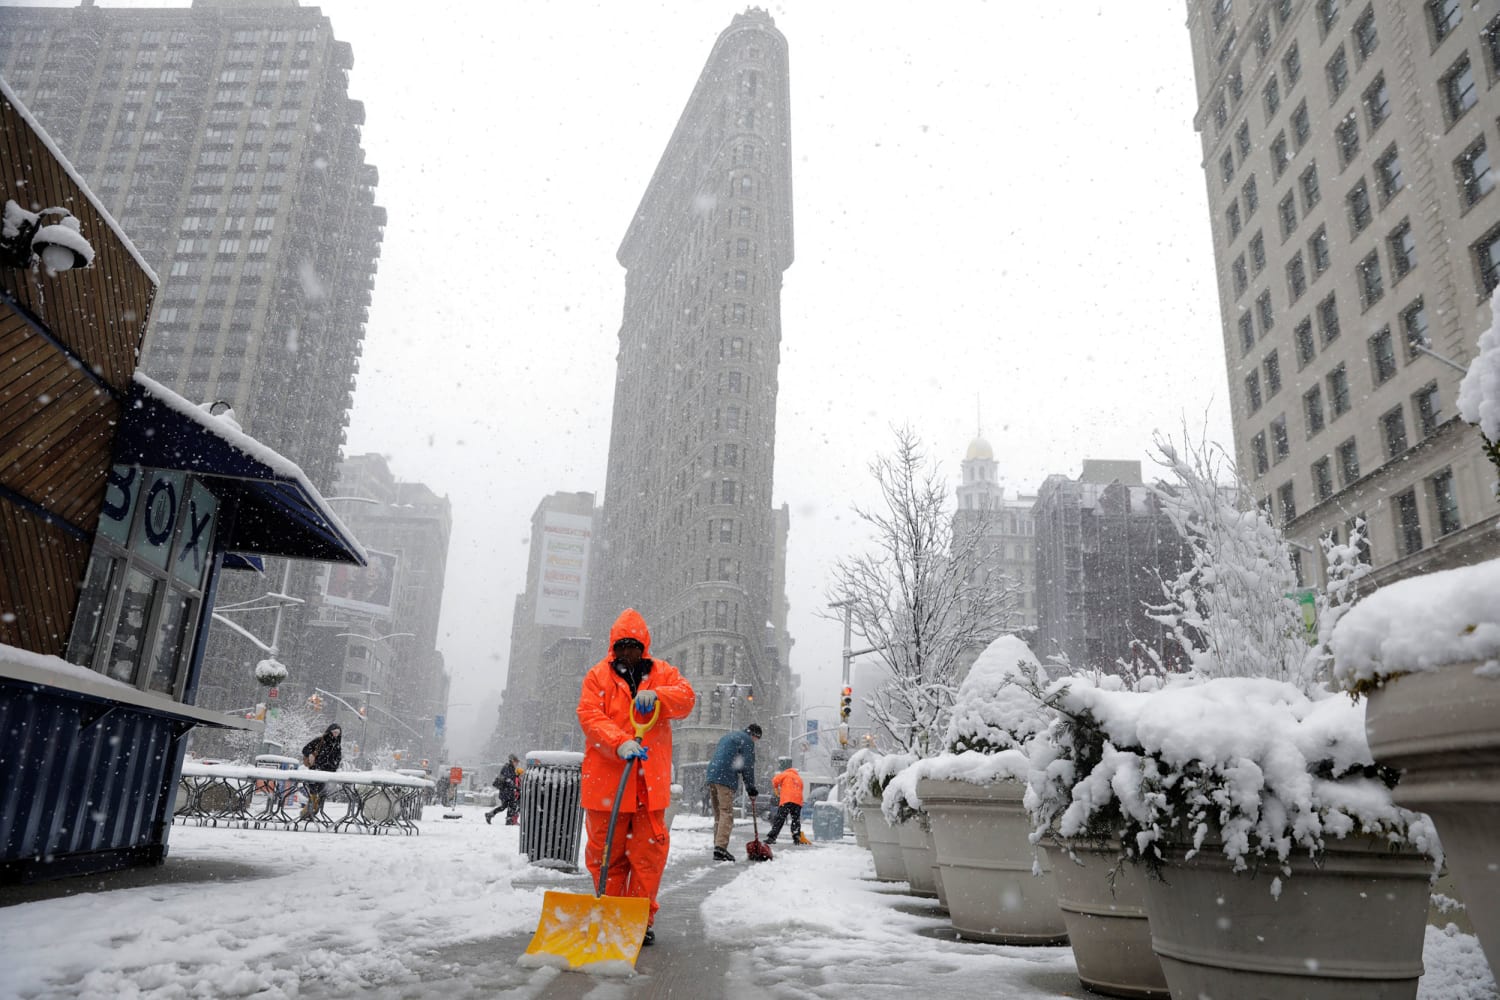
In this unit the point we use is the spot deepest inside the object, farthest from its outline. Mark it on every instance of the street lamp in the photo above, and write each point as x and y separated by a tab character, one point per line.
60	245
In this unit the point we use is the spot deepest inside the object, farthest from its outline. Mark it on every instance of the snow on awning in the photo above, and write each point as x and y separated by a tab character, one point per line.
280	513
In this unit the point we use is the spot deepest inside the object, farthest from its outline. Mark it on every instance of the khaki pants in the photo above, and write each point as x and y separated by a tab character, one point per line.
722	798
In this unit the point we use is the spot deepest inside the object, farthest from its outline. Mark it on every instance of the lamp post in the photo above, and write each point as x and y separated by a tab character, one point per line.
59	246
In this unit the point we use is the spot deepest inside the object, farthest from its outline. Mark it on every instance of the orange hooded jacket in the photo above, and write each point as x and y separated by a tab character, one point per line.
604	712
788	785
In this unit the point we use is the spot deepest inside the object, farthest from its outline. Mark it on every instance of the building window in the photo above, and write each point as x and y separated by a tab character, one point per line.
1247	332
1280	155
1322	477
1328	12
1286	212
1312	407
1301	126
1317	251
719	659
1487	256
1445	15
1348	455
1459	90
1347	134
1257	253
1338	391
1286	495
1242	140
1425	402
1388	170
1263	37
1272	95
1311	193
1296	277
1474	177
728	491
1393	432
1240	275
1328	319
742	248
1445	503
1414	328
1371	284
1221	114
1304	339
1263	311
1232	218
1365	38
1377	101
1292	64
1252	392
1252	196
1226	166
1403	250
1281	445
1382	357
1490	39
1360	213
1408	523
1258	454
1338	74
1272	367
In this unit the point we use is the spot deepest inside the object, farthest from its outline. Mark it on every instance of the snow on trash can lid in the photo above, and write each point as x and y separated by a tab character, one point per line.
553	758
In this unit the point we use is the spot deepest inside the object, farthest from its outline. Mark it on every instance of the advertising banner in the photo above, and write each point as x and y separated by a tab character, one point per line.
371	589
564	568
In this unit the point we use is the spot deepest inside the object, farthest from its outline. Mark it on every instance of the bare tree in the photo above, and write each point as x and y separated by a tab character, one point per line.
924	599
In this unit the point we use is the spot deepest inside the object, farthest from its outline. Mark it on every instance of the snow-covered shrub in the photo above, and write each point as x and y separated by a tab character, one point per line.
870	771
1479	392
270	673
1254	763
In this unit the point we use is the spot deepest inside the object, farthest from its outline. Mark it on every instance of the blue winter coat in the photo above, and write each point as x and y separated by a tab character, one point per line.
733	759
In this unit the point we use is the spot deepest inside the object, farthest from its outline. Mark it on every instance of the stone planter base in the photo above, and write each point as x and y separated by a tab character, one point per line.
1349	927
918	856
885	845
1442	728
985	859
1107	927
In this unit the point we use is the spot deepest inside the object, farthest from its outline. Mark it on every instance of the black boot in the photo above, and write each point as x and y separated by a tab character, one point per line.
720	854
650	937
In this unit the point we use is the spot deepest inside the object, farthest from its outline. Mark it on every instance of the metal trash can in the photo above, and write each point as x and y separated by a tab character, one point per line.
827	822
552	808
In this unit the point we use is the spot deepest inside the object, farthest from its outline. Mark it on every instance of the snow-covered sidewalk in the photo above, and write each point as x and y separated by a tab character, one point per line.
304	914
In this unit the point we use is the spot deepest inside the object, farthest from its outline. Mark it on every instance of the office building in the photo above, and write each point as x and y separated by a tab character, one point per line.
688	534
1347	149
1009	543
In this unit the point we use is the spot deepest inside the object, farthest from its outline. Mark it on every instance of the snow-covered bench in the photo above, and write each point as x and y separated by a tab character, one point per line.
239	795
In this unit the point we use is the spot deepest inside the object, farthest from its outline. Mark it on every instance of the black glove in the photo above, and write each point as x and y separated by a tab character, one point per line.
750	791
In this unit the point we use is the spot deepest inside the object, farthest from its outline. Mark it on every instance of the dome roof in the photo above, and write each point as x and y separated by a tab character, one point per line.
980	448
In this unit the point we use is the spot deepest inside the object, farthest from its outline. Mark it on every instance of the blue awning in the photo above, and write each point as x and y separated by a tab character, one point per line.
278	512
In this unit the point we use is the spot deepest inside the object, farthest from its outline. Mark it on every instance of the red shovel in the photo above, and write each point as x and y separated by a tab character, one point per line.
755	850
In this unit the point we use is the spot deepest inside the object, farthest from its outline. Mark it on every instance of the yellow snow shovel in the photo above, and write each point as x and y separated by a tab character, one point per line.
595	933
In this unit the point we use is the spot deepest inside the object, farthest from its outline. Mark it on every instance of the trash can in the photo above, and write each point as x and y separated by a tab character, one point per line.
827	822
551	808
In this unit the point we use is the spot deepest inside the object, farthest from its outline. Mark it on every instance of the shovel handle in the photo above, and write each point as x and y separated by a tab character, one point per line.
614	812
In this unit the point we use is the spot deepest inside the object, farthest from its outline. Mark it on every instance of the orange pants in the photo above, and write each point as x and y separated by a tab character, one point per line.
636	858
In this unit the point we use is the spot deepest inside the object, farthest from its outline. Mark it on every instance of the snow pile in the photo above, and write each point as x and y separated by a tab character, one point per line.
869	771
1253	762
1421	624
1479	392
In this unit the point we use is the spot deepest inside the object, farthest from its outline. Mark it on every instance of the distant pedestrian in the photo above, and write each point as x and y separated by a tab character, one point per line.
788	785
625	686
508	785
323	753
733	761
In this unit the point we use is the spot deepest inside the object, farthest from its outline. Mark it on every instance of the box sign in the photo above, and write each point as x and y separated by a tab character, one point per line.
167	503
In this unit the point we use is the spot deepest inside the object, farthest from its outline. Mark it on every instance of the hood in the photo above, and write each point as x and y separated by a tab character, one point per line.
331	728
630	625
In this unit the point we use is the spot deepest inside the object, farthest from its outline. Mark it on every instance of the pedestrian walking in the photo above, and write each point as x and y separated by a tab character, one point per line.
625	683
322	753
733	761
788	786
508	784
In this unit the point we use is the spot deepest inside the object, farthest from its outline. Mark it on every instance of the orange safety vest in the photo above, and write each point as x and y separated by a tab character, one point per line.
788	785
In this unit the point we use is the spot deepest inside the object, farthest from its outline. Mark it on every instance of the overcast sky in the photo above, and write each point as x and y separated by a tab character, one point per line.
999	218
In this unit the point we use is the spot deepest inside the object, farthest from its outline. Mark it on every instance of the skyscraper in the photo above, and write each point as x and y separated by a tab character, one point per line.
1347	153
689	536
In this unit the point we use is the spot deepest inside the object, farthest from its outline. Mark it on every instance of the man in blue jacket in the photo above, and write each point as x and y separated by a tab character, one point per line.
733	760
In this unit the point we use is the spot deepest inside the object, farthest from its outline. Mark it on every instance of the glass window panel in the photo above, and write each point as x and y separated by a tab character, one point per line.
162	498
92	600
196	549
130	628
172	636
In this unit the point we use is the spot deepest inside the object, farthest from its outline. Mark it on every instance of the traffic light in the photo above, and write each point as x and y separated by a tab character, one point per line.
749	694
846	704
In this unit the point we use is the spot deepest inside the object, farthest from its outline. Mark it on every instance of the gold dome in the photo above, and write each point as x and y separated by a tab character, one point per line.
980	448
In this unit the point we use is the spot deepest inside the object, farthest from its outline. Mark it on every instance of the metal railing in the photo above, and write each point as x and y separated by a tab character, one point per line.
261	797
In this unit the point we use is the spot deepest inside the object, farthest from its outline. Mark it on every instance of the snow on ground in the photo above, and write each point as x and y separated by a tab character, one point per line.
278	914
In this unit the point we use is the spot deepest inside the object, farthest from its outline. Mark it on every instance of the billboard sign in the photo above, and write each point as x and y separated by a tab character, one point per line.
370	589
564	562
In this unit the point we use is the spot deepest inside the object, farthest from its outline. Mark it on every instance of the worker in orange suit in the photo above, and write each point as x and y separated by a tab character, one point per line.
628	681
788	785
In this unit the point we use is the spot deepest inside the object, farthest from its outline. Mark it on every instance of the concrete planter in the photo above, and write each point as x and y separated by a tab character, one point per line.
986	862
1442	729
1347	926
885	844
918	855
1107	924
861	838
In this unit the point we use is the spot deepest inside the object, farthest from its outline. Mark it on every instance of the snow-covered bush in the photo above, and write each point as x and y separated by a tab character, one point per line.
270	673
1256	764
1479	392
870	771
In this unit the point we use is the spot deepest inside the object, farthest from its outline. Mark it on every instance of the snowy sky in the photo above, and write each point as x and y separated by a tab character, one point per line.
998	209
278	915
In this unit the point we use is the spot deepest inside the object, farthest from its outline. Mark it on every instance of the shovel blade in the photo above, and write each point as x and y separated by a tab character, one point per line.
600	934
